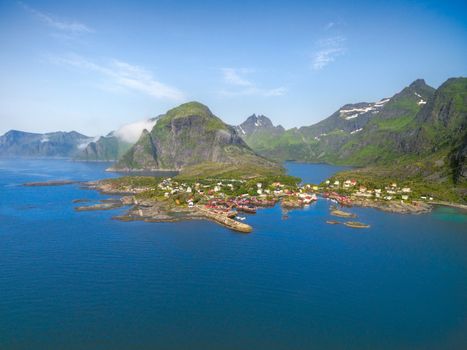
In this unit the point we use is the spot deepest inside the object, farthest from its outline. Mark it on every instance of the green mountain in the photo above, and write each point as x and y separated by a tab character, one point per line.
379	140
190	139
356	134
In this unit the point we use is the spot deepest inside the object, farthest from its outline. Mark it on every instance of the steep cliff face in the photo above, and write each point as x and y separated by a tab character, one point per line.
441	130
55	144
458	163
442	123
186	136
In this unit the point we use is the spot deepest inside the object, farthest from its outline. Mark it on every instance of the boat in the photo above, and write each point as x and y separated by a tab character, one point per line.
263	202
309	198
231	214
355	224
247	209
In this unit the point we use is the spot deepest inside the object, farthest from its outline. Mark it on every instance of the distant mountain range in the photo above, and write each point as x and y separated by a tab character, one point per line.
420	131
72	144
16	143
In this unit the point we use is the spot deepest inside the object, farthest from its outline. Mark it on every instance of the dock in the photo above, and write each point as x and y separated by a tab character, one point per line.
225	221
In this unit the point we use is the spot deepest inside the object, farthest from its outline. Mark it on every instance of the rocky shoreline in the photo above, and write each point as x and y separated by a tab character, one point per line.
151	210
415	207
158	211
450	204
154	211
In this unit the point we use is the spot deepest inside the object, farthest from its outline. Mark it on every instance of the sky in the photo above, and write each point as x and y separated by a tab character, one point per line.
92	66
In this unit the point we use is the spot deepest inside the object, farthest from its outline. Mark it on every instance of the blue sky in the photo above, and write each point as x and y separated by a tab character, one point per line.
93	66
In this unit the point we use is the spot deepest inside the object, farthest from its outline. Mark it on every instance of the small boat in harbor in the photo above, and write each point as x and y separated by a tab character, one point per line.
355	224
247	209
232	214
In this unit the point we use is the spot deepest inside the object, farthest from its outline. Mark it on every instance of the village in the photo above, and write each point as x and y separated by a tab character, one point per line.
247	196
227	200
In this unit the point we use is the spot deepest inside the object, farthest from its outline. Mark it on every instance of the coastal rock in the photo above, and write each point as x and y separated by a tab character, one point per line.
395	207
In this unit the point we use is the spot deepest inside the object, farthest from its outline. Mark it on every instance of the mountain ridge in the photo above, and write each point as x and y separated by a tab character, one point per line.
16	143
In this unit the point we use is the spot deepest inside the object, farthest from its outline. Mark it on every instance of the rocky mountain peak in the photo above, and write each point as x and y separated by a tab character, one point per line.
257	123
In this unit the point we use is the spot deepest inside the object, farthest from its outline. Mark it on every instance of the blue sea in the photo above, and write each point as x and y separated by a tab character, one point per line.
80	280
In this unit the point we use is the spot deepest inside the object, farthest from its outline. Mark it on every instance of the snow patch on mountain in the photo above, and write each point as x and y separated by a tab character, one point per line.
355	131
352	113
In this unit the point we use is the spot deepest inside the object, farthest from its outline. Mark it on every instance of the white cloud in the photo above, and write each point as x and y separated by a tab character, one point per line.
235	77
232	76
125	75
327	51
255	92
329	25
52	21
131	132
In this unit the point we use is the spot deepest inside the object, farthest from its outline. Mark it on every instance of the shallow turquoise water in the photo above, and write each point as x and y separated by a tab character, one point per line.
72	280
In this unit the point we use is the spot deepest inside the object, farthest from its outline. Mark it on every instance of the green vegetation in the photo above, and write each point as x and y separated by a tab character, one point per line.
394	124
404	103
413	174
175	192
191	109
133	181
243	170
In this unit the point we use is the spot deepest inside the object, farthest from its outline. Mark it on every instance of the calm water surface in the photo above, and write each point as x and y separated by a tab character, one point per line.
79	280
